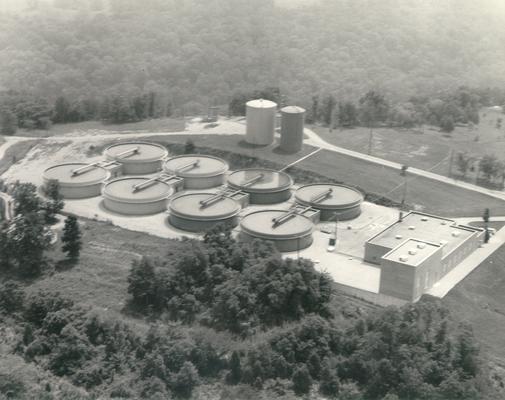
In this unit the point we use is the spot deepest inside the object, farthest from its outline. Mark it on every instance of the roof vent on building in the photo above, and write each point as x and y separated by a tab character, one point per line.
412	227
398	236
412	252
421	245
443	223
442	242
455	234
424	219
403	258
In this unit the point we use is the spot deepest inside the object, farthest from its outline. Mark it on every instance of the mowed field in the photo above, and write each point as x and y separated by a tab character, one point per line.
424	147
423	194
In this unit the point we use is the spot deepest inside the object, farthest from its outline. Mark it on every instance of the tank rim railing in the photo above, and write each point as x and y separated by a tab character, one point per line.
84	169
191	165
88	167
128	153
216	198
165	178
321	196
253	180
291	213
224	192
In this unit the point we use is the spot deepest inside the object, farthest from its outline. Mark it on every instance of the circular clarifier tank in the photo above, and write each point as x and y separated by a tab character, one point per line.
136	195
334	201
198	171
137	158
264	186
77	180
198	212
286	229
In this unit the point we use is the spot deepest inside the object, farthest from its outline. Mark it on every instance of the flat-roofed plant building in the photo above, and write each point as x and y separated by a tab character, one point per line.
417	251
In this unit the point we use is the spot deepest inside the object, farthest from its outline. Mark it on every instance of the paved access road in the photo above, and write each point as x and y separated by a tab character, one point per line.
315	140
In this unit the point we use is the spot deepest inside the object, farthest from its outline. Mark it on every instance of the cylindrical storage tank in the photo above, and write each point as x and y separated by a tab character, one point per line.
137	158
288	231
77	180
264	186
260	121
136	195
198	212
292	123
334	201
198	171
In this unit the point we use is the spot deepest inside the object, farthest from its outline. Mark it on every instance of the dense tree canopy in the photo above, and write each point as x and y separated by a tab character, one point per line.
196	53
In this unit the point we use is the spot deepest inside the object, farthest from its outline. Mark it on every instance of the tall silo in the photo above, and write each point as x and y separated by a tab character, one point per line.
260	117
293	119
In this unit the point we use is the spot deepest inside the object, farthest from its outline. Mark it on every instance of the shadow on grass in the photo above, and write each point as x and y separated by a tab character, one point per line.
147	313
279	150
65	264
246	145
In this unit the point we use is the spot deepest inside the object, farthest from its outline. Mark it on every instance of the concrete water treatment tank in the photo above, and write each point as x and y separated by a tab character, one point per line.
77	180
260	121
198	212
198	171
288	230
334	201
137	195
137	158
292	123
264	186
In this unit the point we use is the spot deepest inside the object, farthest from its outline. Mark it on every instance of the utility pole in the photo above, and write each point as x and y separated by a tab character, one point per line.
336	232
370	141
298	250
485	217
403	173
451	160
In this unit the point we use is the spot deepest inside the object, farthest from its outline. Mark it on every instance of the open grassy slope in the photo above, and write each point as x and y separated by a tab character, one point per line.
14	153
149	125
480	299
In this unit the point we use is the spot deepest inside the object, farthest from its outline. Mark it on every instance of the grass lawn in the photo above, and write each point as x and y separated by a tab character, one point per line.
480	300
423	194
424	147
151	125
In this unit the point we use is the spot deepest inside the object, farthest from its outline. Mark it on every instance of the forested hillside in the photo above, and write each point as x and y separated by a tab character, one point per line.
197	52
